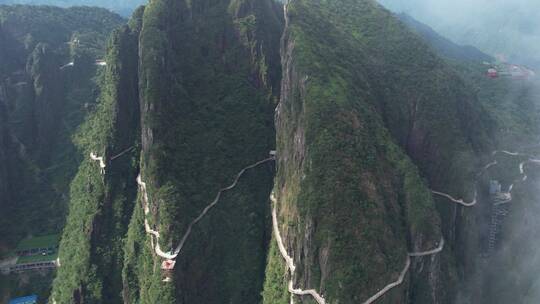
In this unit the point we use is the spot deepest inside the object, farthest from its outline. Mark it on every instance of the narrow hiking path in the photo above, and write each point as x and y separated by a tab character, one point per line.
288	260
508	194
312	292
392	285
430	252
98	62
401	277
122	153
457	201
101	161
215	201
174	254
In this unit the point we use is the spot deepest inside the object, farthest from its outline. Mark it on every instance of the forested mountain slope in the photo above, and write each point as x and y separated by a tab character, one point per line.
208	75
508	29
42	102
371	120
246	151
102	201
443	45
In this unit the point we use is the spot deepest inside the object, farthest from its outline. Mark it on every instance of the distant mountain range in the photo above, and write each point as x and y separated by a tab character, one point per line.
443	45
123	7
509	30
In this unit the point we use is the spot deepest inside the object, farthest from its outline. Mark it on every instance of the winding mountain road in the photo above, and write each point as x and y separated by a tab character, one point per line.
214	202
289	261
401	277
507	152
392	285
486	167
458	201
508	199
312	292
149	230
153	233
430	252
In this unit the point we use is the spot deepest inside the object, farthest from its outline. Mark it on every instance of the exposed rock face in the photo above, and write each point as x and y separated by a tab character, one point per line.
367	120
208	74
113	133
48	82
355	130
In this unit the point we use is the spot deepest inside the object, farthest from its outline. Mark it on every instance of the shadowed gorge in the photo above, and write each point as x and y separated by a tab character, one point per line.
41	106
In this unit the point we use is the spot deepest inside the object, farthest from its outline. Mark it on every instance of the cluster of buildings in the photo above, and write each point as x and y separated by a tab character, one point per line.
512	71
35	253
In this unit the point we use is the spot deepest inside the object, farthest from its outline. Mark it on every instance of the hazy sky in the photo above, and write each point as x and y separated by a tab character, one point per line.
510	27
506	27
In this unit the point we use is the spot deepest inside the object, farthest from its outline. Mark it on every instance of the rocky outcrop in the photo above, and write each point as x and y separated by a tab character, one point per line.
377	144
105	189
49	99
359	150
208	74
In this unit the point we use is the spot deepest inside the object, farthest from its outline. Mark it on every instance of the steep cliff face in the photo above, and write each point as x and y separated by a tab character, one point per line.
43	101
372	130
103	194
370	120
49	90
43	106
208	73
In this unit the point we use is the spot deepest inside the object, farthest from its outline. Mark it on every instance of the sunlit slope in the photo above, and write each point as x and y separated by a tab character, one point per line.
370	121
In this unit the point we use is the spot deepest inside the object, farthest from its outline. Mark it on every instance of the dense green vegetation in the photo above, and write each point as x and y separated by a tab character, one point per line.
56	26
276	277
101	206
42	106
511	105
369	120
45	105
366	106
209	72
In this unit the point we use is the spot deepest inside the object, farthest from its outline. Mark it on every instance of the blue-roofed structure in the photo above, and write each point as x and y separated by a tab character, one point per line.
24	300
